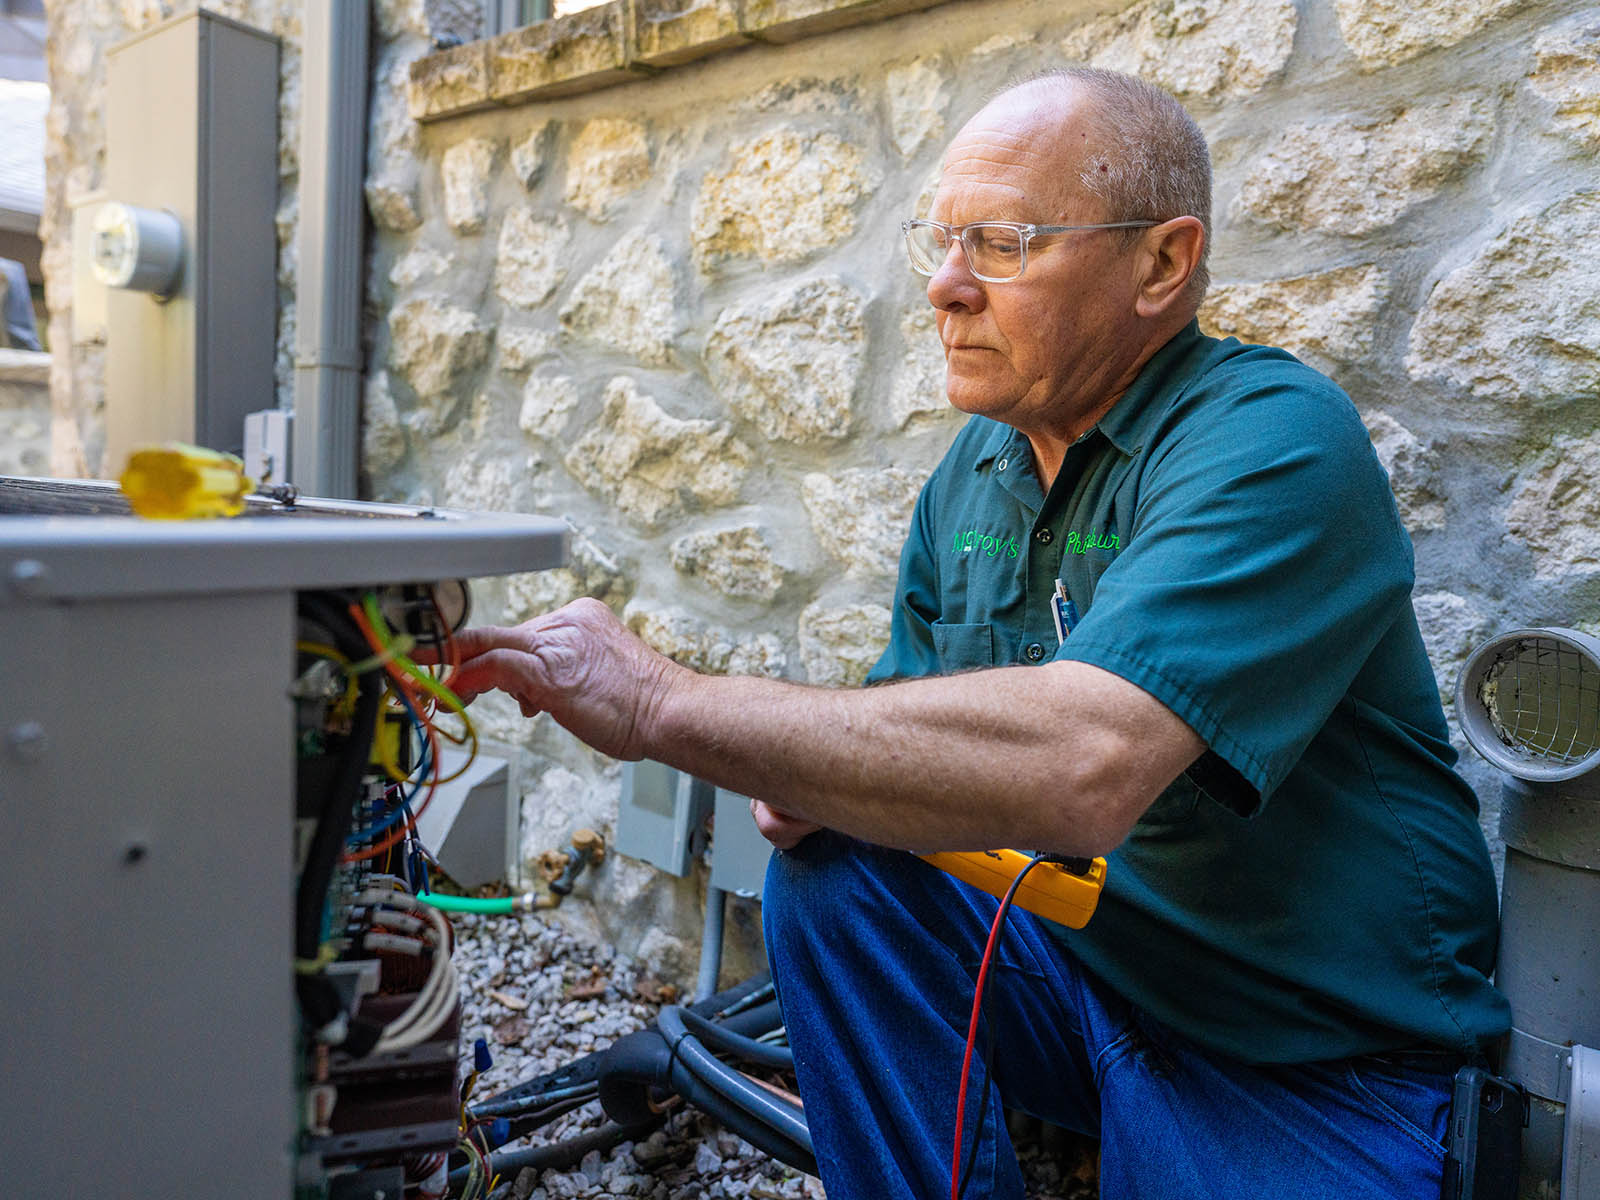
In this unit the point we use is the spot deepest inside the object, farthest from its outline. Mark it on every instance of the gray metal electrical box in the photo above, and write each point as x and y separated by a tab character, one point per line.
147	807
661	812
192	130
739	853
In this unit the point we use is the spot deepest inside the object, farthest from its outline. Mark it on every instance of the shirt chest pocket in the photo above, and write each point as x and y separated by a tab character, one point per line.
963	647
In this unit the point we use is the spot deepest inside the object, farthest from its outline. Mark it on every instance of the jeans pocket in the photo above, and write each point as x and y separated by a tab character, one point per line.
1415	1102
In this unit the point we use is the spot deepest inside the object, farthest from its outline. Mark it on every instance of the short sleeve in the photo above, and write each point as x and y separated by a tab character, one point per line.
911	652
1266	561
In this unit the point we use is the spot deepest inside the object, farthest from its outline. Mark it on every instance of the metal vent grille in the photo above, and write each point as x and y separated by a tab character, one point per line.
1531	703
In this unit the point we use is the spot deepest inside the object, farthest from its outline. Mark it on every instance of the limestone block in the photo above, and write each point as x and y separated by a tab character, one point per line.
785	196
491	482
530	155
400	18
435	347
998	43
590	571
1384	32
737	562
704	648
521	348
1566	74
466	170
393	205
1328	315
1193	48
451	81
530	261
917	99
392	150
669	32
1413	468
838	646
806	94
1555	508
918	390
1353	176
547	402
790	365
1520	322
861	516
383	437
609	159
629	302
791	20
1452	628
417	265
575	52
651	464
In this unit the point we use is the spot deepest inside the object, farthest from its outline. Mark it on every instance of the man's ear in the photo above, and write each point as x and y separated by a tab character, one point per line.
1169	256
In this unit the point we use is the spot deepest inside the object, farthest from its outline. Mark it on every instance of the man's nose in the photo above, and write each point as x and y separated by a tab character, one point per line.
953	285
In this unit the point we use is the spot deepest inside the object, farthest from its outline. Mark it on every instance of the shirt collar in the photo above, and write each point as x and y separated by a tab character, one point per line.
1131	417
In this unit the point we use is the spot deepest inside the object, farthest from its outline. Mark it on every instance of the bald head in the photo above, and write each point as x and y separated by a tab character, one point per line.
1124	142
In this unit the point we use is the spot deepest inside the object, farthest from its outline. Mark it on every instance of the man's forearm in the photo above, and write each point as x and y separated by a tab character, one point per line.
969	761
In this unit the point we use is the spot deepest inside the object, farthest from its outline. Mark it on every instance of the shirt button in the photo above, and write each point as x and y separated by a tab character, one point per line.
1044	537
1001	465
1034	652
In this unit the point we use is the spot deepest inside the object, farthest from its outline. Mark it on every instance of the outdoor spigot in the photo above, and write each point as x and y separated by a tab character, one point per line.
588	849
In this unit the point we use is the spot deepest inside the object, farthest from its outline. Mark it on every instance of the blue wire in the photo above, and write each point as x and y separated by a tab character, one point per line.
403	808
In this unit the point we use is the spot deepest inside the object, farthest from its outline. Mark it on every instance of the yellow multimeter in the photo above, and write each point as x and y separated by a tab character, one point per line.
1052	890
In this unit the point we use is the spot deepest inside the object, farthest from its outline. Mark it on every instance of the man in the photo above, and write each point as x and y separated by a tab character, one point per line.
1290	959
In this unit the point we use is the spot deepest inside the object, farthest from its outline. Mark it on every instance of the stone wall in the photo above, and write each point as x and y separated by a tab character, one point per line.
24	412
640	268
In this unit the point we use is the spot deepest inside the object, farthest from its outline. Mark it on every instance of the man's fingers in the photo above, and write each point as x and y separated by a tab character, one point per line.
495	670
779	828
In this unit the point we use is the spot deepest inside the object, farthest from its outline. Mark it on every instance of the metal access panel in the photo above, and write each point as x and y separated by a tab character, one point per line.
739	853
147	803
192	128
661	812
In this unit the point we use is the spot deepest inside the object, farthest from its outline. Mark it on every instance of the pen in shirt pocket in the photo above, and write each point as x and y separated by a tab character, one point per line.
1064	612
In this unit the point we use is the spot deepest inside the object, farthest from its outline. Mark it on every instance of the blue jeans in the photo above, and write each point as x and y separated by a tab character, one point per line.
875	953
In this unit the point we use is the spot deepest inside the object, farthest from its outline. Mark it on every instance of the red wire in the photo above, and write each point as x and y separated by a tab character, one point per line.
977	1010
972	1037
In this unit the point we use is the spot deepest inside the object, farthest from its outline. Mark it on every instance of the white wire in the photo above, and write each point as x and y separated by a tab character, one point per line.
434	1003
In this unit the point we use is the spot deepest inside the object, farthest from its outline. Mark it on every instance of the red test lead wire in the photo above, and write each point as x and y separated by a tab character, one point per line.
972	1026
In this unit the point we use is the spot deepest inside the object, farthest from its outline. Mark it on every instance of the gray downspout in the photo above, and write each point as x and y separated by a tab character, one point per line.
327	345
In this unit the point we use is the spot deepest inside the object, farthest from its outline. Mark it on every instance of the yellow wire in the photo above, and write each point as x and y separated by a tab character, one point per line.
436	688
347	703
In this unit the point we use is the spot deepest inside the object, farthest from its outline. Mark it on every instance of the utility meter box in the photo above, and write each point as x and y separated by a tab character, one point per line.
192	134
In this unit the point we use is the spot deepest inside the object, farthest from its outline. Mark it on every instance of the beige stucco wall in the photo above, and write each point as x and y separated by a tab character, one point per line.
675	309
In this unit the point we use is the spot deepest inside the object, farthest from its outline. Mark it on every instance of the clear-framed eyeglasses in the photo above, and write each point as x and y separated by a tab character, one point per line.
996	251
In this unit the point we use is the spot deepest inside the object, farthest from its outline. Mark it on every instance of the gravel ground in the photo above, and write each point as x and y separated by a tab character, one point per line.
541	999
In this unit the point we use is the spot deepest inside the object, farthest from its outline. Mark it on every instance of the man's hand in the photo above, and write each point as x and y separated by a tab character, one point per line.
779	828
580	665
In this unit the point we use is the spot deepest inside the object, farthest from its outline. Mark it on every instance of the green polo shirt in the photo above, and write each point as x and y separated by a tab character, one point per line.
1316	886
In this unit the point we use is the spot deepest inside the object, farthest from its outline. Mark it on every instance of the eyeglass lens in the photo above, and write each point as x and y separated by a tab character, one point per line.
993	251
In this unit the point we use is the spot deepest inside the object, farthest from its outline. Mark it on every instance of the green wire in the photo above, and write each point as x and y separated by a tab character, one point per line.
495	906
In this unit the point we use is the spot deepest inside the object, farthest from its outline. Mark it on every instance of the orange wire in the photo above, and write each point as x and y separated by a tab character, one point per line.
415	695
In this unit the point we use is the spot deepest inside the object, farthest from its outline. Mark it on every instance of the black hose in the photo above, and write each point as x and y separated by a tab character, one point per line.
640	1062
780	1058
557	1156
752	1022
785	1118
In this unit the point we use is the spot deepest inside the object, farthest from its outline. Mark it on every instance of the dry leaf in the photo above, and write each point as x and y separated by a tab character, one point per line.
510	1001
511	1030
